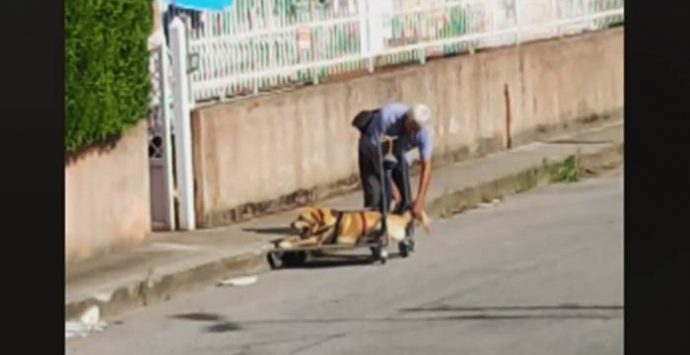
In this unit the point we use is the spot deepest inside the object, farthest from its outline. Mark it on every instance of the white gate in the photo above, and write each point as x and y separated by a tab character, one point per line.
161	175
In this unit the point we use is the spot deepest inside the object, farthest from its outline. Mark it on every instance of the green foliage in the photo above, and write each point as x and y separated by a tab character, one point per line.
106	68
568	171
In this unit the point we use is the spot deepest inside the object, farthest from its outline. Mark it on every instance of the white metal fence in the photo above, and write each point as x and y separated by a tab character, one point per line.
261	45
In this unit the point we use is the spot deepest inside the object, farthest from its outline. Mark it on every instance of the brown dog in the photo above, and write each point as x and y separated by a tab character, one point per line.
319	226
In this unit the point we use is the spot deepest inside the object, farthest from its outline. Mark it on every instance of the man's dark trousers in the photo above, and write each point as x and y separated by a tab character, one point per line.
371	181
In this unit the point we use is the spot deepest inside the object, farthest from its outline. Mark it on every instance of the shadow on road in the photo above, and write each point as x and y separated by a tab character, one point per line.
435	318
199	317
221	325
578	141
478	313
319	261
283	231
564	306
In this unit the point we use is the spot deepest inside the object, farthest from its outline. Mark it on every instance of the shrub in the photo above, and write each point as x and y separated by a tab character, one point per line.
106	68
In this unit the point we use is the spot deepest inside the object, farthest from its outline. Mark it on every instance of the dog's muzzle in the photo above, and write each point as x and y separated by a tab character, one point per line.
300	227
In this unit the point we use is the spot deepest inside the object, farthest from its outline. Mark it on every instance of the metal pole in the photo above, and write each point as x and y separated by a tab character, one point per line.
385	181
555	13
167	136
183	136
314	48
364	37
518	23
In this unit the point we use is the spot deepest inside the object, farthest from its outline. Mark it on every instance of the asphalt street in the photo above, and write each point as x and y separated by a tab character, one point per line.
537	273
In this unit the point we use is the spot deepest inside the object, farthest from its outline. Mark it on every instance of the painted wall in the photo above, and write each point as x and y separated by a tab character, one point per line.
107	197
255	154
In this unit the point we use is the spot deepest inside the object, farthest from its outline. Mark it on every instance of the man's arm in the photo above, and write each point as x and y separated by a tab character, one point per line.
425	145
424	182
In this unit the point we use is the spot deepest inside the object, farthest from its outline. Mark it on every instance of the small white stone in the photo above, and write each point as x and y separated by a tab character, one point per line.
103	297
239	281
91	316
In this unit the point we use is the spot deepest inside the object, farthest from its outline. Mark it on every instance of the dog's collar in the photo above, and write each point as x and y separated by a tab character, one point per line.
338	215
334	227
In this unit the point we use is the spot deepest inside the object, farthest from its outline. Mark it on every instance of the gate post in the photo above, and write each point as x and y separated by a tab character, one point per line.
166	134
364	34
183	135
518	22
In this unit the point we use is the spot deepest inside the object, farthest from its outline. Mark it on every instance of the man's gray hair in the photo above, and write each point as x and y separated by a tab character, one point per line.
419	114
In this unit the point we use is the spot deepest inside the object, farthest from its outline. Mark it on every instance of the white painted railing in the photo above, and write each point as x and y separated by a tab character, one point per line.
261	45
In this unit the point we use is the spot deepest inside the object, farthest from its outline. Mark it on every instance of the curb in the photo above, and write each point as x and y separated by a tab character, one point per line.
585	164
162	288
157	289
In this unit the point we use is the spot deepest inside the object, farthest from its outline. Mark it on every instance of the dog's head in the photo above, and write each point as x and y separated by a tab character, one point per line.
311	220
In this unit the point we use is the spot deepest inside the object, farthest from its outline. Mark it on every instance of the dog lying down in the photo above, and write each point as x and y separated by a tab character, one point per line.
321	226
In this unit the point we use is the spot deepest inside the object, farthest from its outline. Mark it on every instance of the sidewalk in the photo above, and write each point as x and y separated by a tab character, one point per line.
183	261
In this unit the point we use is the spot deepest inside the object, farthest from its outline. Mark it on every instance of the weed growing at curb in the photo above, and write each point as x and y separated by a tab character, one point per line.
568	171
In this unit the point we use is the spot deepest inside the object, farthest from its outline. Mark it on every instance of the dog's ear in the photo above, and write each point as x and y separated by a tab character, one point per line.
328	216
309	214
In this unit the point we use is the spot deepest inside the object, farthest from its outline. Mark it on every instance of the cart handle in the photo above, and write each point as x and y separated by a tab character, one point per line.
388	139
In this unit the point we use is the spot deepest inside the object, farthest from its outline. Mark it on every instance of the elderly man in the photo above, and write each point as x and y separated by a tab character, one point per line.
408	127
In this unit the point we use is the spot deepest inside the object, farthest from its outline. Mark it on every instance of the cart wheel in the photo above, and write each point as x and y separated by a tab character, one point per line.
409	242
409	230
383	255
380	254
275	260
294	258
403	249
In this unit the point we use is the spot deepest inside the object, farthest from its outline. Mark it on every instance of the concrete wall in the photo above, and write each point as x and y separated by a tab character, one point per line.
260	154
107	197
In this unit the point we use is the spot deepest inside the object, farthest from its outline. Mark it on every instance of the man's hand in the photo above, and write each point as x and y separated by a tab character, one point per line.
418	204
396	194
387	138
417	207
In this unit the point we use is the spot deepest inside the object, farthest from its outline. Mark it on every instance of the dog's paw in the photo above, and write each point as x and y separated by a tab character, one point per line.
424	220
285	244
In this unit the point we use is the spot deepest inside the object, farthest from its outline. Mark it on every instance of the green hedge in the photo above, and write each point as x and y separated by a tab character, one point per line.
106	68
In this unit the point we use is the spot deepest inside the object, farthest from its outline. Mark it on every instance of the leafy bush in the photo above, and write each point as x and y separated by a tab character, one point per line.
106	68
568	171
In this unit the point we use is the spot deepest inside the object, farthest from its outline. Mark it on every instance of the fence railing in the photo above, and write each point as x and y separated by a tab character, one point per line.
263	45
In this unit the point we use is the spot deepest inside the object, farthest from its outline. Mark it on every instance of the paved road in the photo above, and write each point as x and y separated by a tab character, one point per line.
539	273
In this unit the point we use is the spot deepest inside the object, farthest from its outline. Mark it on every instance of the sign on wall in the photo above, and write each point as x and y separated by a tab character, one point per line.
200	5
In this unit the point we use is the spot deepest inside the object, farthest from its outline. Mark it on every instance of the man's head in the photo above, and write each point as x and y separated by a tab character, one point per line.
417	117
